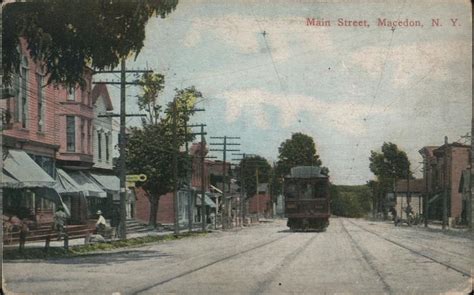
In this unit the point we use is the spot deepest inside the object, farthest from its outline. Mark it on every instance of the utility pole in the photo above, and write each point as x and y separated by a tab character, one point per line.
408	187
202	158
469	205
427	174
224	150
122	145
174	127
122	138
471	180
175	167
203	183
242	186
258	195
445	181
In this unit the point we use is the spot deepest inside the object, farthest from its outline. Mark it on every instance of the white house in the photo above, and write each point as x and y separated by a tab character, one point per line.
103	128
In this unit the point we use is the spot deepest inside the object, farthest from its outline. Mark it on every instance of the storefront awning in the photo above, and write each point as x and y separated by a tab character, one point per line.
207	200
10	182
65	184
83	184
110	183
23	169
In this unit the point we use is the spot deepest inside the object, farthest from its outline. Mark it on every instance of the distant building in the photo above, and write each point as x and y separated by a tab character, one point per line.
409	193
261	202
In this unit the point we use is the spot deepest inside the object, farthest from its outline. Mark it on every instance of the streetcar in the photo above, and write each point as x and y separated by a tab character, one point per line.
306	192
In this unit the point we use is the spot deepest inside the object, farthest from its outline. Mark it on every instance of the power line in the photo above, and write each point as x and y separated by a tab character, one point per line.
226	223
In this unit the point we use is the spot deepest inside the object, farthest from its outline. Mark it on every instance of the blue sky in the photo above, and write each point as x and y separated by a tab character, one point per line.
349	88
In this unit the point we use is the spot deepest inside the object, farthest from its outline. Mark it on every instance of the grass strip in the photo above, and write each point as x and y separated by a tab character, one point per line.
81	250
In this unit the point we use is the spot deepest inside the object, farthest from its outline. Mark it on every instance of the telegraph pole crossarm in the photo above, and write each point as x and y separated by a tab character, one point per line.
118	115
227	205
122	136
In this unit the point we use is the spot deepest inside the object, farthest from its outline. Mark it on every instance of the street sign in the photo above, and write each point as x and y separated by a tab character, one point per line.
136	177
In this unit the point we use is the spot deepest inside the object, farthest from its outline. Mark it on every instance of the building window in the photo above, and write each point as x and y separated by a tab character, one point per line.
107	147
40	89
99	145
71	94
23	94
83	136
89	137
70	133
85	93
46	163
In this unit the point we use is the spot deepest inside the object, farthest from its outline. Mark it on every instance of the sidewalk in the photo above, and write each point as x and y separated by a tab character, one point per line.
81	241
434	227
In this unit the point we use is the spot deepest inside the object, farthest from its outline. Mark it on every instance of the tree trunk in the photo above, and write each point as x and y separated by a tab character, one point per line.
154	203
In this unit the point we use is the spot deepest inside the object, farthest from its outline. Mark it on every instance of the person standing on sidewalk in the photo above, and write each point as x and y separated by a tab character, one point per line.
59	222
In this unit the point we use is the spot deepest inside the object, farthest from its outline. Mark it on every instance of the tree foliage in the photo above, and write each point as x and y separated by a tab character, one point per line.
68	35
150	148
151	84
391	163
388	165
350	200
248	173
299	150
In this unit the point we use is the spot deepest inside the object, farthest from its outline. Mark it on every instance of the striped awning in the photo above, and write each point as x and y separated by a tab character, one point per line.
20	171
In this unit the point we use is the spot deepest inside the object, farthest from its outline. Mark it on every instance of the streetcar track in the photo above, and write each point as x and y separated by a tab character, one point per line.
285	262
207	265
368	259
444	251
452	267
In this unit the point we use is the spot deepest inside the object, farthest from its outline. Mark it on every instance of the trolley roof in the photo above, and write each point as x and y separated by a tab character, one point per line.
306	172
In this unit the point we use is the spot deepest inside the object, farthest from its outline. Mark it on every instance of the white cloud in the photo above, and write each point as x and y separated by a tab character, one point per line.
193	37
406	64
344	116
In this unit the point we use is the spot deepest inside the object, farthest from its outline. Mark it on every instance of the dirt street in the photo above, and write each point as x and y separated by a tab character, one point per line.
351	257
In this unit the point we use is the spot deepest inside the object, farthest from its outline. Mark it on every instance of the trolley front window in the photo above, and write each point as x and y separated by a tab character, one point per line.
291	190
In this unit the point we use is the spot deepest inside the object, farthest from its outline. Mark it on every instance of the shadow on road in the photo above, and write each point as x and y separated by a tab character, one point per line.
105	258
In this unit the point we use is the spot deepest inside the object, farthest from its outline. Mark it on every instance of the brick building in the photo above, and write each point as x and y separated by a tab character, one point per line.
52	125
187	197
30	142
261	202
443	167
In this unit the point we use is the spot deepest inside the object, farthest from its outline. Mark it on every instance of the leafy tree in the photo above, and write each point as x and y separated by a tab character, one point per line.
299	150
391	163
350	200
150	148
388	165
152	84
68	35
248	173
